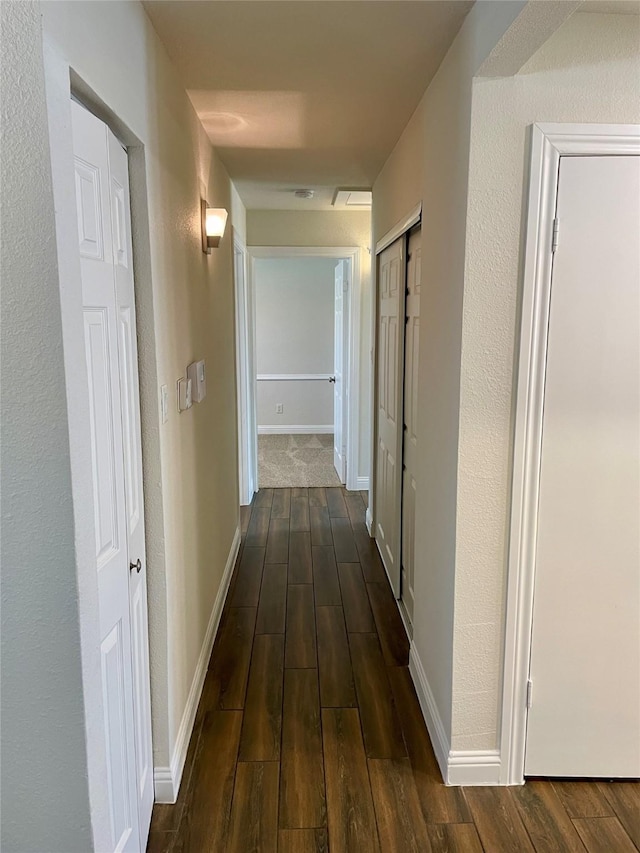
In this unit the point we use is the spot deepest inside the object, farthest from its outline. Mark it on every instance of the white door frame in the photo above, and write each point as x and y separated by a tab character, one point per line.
63	83
352	372
549	142
247	451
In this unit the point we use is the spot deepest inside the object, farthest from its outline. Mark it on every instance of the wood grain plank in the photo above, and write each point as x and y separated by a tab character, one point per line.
203	827
320	526
246	592
317	497
351	816
302	792
545	819
264	498
380	724
300	648
258	529
161	841
400	822
272	608
582	799
245	517
254	813
454	838
326	585
624	799
300	557
300	492
343	541
303	841
278	541
393	637
262	723
355	601
337	689
281	506
300	514
440	804
372	567
355	507
604	835
231	657
497	820
365	497
336	504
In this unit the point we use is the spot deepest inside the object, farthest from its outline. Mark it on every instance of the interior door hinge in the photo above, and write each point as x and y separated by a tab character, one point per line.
554	238
529	693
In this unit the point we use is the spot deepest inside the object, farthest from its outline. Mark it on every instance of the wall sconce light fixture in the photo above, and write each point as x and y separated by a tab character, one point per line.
214	220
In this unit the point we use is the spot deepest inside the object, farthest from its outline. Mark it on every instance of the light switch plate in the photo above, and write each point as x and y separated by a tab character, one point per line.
184	394
164	403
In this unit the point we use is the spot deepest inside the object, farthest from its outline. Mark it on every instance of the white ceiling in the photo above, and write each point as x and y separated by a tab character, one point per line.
306	94
611	7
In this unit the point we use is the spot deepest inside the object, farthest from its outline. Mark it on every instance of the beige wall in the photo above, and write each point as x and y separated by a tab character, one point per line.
463	154
185	306
329	228
46	766
429	163
588	71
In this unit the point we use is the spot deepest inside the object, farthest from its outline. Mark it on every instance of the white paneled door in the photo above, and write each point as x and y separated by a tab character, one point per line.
339	370
390	368
584	718
104	234
410	448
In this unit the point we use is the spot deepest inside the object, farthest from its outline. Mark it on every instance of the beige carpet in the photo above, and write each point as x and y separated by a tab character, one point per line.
296	460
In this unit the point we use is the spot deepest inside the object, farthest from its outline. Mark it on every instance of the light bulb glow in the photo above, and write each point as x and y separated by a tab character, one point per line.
216	220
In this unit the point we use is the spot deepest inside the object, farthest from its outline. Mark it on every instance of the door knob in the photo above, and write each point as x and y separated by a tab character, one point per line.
332	379
137	566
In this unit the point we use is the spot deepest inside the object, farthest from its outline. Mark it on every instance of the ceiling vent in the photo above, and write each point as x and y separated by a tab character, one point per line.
303	193
352	198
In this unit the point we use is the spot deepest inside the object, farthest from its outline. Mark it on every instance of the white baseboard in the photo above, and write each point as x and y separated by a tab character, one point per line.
435	726
474	767
458	767
363	484
167	779
368	520
295	429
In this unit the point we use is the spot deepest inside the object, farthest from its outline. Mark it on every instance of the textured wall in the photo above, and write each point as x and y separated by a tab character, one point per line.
333	228
45	798
185	304
295	308
429	163
588	71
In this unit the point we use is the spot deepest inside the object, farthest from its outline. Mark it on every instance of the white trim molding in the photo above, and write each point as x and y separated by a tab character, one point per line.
458	767
293	377
295	429
362	484
412	218
430	712
549	142
167	779
473	767
353	255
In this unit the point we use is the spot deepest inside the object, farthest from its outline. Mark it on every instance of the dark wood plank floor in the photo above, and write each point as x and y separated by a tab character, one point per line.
309	736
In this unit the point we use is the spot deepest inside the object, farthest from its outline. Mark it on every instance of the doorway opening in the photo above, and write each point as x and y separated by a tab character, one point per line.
298	367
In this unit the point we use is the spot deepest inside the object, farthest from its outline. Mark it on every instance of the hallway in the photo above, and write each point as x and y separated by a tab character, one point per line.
309	736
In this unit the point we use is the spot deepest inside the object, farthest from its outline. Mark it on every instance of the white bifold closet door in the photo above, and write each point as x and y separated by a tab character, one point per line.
389	414
584	718
104	235
410	449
